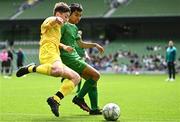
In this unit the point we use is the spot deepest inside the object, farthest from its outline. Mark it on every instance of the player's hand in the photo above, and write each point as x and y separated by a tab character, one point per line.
69	49
59	20
100	48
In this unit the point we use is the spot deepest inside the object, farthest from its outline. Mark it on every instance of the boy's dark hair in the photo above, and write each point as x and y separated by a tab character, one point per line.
61	7
76	7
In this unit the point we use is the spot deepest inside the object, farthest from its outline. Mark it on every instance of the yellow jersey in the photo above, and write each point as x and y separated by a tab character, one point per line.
50	31
50	39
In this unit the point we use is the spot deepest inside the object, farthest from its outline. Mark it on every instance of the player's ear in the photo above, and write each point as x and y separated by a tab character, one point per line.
57	14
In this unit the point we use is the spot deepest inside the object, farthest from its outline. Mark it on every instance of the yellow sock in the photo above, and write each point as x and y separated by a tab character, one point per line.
56	98
30	69
66	87
42	69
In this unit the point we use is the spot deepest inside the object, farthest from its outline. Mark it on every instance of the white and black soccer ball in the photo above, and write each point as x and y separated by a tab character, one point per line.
111	112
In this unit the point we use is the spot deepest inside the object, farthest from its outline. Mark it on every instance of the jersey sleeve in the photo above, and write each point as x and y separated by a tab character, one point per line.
48	23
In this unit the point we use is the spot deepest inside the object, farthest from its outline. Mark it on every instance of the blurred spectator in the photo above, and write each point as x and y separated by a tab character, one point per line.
135	63
9	69
153	48
3	59
20	57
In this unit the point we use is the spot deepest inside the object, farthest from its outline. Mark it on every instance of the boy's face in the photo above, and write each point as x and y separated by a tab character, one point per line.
64	16
75	17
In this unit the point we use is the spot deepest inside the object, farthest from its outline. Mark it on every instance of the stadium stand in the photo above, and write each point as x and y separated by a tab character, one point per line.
94	8
44	9
97	8
8	8
149	8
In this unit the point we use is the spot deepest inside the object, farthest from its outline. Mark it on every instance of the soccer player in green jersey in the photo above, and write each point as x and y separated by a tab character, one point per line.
71	37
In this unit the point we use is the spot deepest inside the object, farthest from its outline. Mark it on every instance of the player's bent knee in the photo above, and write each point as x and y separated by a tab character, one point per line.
57	72
76	78
96	76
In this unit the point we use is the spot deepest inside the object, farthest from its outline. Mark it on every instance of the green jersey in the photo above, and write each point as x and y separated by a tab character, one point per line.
170	54
69	37
80	51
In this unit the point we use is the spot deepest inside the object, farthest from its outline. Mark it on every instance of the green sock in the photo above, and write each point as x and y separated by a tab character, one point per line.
79	86
87	85
93	96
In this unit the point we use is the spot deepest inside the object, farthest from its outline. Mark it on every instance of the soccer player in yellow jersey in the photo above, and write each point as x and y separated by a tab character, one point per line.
49	56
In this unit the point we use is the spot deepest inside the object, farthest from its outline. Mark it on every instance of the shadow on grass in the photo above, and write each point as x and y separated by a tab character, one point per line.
70	118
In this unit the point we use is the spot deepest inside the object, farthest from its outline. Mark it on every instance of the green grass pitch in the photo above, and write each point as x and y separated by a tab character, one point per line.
143	98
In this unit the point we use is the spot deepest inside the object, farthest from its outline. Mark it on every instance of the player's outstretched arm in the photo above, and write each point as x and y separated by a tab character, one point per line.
100	48
83	44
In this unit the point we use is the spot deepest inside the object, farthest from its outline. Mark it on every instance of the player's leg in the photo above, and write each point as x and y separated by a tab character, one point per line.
47	67
42	69
91	76
48	55
72	79
54	69
78	86
93	96
93	91
78	66
81	65
90	86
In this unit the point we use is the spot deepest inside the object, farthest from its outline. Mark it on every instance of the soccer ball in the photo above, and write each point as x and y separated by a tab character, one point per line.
111	112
